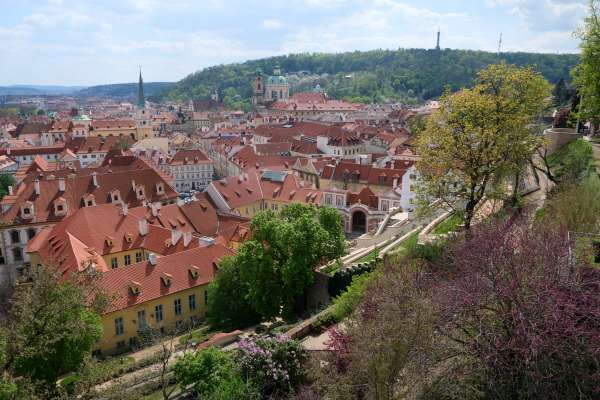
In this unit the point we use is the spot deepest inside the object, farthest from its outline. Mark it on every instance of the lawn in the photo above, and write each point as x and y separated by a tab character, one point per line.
368	257
448	225
197	335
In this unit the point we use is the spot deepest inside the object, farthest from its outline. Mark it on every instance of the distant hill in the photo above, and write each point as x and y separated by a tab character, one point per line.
38	90
408	75
126	90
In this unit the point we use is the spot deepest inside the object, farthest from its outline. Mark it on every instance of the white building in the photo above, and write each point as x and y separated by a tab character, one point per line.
191	169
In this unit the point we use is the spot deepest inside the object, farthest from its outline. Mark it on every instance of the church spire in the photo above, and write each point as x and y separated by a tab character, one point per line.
141	100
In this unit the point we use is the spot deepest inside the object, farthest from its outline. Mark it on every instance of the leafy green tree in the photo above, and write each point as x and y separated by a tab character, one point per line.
228	306
586	75
5	182
273	270
213	374
54	325
479	136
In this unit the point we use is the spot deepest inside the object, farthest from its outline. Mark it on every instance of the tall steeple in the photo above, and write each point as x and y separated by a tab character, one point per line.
437	46
141	100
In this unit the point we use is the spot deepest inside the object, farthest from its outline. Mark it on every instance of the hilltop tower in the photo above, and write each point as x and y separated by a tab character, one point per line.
437	46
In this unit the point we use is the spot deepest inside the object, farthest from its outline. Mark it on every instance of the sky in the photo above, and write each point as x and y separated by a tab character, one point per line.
88	42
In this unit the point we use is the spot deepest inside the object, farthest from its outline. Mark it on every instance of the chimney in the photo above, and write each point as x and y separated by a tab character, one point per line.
133	185
143	225
154	210
10	190
187	238
152	258
61	184
95	179
125	208
395	182
37	186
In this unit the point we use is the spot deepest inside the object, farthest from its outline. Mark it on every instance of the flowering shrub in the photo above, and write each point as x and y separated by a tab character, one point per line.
273	364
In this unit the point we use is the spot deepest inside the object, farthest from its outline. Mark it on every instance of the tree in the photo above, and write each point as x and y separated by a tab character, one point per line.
272	271
228	293
586	75
213	374
524	312
480	136
54	324
5	182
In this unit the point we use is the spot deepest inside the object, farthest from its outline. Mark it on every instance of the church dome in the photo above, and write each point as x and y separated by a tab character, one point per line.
277	80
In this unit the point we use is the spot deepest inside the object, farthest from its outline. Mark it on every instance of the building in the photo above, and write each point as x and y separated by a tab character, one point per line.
251	192
152	262
44	199
269	89
191	169
160	293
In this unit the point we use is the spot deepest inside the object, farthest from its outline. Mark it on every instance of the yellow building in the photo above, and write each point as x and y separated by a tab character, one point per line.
161	293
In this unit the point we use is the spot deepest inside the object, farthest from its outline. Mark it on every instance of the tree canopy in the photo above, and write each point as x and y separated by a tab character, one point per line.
407	75
479	135
272	271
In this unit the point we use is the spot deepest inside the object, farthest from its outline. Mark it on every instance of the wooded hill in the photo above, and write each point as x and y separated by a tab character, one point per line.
408	75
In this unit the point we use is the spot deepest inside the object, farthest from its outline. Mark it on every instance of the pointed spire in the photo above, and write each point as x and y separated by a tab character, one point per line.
141	100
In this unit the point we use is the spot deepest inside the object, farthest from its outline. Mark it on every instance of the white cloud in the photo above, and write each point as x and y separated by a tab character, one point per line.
272	24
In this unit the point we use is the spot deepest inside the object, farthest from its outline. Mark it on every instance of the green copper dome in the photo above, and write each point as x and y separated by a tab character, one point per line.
277	80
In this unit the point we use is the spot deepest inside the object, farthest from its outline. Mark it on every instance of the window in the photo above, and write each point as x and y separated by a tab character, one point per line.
177	306
385	205
192	299
338	201
114	263
127	259
119	328
142	320
15	237
30	233
413	176
59	207
138	256
205	297
158	313
17	254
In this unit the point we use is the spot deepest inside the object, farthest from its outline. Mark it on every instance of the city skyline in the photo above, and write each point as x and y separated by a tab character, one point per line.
63	42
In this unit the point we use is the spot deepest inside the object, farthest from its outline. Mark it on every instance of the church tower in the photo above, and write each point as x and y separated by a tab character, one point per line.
141	100
258	88
142	115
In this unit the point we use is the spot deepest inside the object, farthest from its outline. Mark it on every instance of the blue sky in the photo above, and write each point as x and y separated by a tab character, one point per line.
86	42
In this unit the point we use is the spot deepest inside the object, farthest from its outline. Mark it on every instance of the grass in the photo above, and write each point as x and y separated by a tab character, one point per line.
333	267
197	335
575	159
448	225
368	257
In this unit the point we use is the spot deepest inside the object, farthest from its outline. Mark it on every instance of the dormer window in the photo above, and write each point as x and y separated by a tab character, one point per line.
140	193
109	241
27	210
89	200
166	279
60	207
135	288
115	196
194	272
160	188
129	238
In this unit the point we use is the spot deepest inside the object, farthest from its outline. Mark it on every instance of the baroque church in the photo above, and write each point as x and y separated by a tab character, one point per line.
269	89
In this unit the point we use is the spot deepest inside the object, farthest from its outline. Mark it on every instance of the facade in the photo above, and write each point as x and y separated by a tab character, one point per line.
191	169
269	89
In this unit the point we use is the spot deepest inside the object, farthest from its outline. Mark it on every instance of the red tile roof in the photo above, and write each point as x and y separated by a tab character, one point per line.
184	157
149	277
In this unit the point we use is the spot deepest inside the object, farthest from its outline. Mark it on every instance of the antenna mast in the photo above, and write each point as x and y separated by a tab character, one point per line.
500	44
